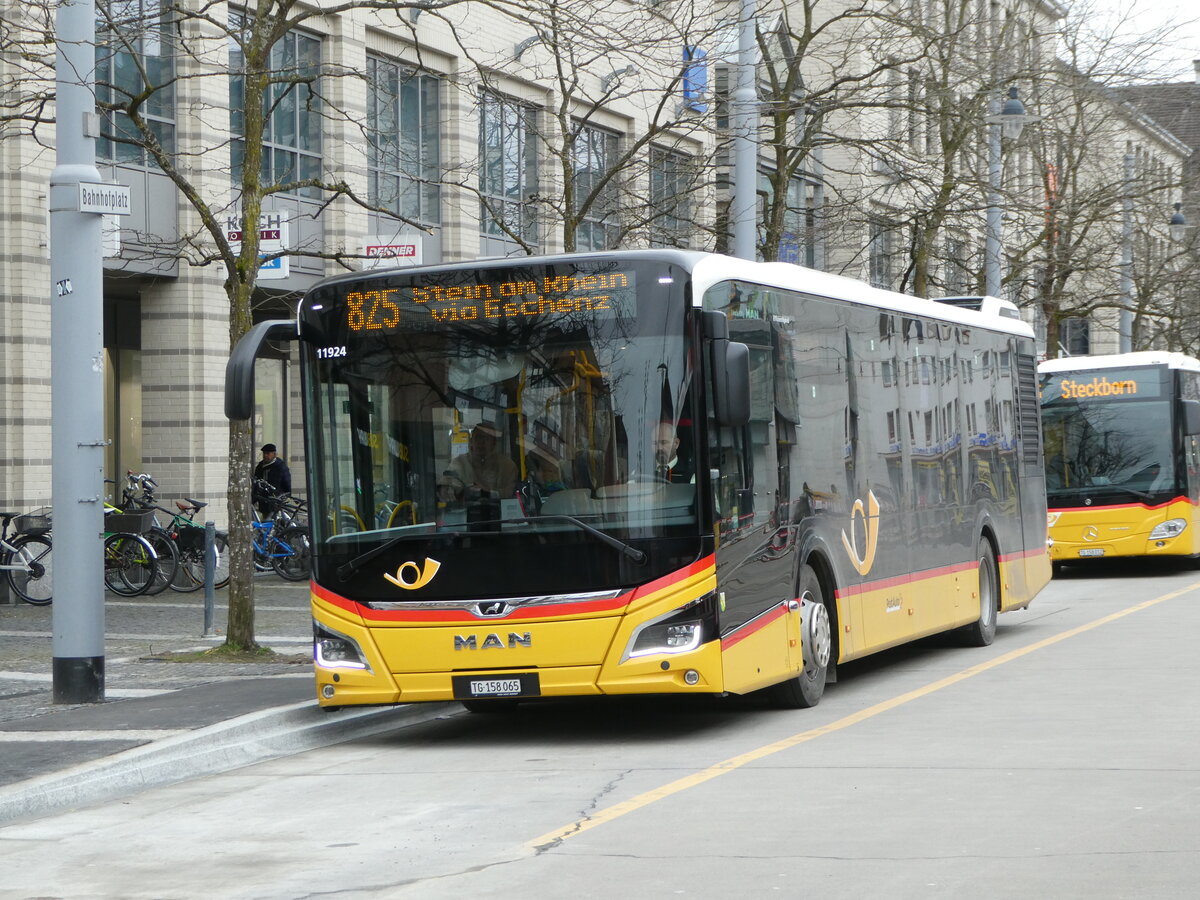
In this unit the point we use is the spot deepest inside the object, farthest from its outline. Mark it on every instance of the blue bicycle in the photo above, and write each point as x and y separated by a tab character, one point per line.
286	549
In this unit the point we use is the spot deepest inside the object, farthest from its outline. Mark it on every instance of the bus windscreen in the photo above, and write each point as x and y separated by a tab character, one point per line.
1108	436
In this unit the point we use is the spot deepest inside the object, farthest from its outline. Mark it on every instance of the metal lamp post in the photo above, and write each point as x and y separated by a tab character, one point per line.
743	121
77	364
1125	322
1005	122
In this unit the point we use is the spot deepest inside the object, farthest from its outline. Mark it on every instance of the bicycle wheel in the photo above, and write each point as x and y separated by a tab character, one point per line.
221	570
292	554
130	564
191	562
168	559
34	583
190	574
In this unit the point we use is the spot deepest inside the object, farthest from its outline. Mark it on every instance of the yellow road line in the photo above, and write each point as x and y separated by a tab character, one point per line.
736	762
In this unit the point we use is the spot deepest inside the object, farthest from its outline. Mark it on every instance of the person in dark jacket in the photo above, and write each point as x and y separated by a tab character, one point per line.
274	473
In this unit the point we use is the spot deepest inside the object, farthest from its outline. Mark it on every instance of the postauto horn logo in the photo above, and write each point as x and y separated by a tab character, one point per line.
423	576
870	516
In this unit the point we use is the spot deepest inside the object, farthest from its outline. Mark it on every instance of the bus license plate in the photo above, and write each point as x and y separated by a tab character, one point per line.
1092	551
524	684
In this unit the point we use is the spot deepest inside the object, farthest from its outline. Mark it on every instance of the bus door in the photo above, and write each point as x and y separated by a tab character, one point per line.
755	559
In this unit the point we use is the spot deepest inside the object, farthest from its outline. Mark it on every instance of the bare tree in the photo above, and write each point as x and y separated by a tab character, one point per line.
1089	234
228	73
594	129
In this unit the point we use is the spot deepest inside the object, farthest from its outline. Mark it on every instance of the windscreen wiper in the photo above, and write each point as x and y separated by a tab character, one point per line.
1121	487
350	569
603	537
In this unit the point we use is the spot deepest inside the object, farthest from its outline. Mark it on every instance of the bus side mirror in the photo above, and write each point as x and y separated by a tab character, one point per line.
736	407
1191	416
239	371
730	363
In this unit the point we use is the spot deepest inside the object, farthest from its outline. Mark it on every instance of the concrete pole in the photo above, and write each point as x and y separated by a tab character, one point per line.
76	369
1126	321
991	246
743	120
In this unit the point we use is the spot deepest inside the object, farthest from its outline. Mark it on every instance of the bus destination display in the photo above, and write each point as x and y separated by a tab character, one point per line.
419	306
1116	384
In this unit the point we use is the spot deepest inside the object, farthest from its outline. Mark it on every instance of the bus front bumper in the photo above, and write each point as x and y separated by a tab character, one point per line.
575	659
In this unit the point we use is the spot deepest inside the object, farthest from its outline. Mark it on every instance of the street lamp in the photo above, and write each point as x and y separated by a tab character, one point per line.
1006	122
1178	226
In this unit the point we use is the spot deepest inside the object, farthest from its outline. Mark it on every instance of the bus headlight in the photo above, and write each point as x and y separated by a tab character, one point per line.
334	650
1168	529
679	631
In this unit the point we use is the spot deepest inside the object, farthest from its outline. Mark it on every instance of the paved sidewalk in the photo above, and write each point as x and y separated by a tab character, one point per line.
162	721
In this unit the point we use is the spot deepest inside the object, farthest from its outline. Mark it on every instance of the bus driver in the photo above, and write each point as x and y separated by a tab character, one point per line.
482	467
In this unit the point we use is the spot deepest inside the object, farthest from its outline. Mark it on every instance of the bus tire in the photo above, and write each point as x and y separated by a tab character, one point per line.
816	642
982	631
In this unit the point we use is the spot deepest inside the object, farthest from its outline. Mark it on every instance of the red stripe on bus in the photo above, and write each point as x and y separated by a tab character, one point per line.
1022	554
744	631
532	612
884	583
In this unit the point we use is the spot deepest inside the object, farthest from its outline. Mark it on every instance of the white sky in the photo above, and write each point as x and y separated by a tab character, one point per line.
1140	17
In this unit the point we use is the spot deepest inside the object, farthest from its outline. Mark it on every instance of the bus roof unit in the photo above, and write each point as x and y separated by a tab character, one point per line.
1122	360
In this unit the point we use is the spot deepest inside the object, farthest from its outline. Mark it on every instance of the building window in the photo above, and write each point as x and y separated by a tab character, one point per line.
403	147
958	275
291	141
1075	336
671	181
134	51
797	240
881	254
508	175
593	157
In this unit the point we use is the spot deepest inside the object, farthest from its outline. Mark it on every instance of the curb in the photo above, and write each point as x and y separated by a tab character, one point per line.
228	745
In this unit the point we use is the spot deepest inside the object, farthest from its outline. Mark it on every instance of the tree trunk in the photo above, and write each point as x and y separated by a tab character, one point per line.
239	633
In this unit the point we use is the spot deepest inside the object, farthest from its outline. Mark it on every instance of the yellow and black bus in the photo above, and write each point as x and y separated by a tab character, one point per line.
652	472
1122	455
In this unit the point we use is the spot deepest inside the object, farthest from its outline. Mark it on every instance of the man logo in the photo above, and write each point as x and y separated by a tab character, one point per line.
492	641
423	576
492	608
863	562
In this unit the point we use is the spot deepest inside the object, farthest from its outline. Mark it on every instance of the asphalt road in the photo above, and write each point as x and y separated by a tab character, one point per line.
1060	762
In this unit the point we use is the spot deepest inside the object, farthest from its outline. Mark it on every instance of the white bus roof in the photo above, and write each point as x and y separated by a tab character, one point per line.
1121	360
710	268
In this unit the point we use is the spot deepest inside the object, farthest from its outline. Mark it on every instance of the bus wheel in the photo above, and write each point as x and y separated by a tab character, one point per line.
982	631
816	641
490	706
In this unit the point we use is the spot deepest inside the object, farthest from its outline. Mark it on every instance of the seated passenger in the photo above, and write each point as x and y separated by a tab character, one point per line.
482	467
544	471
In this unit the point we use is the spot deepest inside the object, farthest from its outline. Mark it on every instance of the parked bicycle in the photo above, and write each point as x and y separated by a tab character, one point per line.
184	532
27	559
160	540
130	562
285	549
